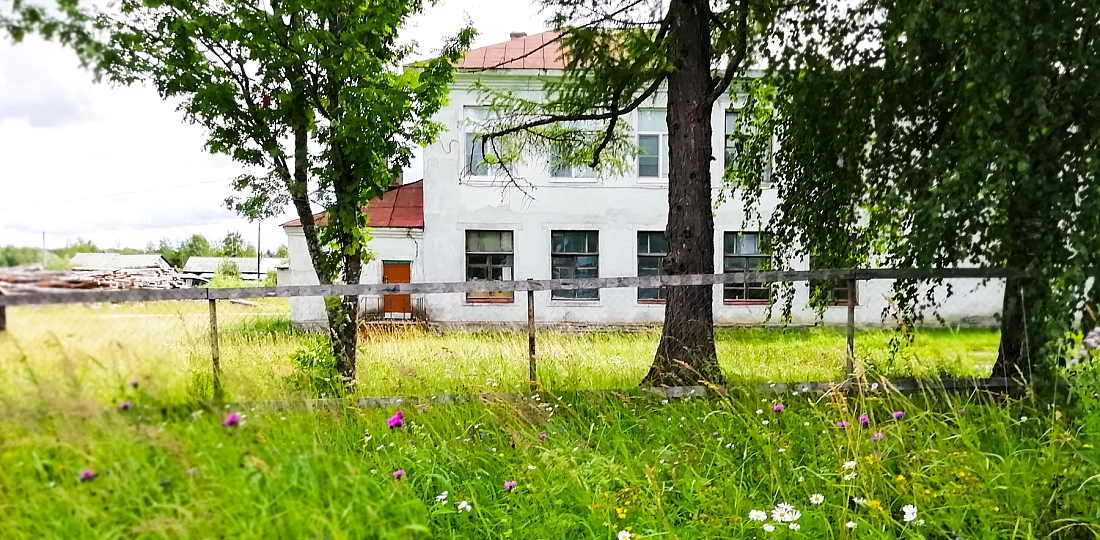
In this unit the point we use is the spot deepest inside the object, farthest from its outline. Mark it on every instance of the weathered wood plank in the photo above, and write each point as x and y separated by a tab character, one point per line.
68	297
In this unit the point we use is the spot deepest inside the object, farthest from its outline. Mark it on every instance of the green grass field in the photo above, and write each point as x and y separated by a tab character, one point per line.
55	349
105	433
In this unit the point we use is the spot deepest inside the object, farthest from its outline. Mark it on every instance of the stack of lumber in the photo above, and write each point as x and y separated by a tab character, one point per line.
33	278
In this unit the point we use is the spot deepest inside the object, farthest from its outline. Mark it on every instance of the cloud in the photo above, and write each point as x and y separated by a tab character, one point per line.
34	90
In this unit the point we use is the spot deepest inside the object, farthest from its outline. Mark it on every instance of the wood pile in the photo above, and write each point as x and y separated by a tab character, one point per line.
34	278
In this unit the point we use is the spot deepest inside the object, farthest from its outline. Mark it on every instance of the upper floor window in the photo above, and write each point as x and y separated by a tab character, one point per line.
575	254
559	170
475	120
489	258
652	249
652	144
746	252
730	153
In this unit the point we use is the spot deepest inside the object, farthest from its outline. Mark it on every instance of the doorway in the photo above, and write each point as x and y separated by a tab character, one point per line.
397	306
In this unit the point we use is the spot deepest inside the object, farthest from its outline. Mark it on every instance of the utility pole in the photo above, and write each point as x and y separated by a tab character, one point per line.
259	222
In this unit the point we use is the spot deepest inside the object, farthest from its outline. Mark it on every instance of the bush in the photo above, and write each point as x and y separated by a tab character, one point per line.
315	367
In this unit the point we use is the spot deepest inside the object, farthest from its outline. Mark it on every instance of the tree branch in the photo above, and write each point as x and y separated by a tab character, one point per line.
738	56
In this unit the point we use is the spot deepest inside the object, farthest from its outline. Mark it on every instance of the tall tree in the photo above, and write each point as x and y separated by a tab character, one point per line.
935	133
618	55
310	93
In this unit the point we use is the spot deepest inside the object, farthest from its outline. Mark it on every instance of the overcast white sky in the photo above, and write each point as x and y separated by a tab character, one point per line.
119	166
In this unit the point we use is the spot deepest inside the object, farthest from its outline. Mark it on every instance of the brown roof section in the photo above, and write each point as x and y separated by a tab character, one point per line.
400	207
527	52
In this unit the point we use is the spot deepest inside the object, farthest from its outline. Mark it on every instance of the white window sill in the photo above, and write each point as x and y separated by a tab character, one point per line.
560	180
651	181
575	303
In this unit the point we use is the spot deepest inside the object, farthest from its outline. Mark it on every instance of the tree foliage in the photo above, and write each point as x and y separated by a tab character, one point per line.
937	133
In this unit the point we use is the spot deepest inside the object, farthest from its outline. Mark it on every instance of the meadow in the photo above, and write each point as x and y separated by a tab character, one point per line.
106	432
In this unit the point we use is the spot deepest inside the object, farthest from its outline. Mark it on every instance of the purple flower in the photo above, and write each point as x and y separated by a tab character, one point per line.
232	420
399	474
842	424
133	383
87	475
510	485
898	415
125	406
962	411
715	434
396	421
542	436
864	420
877	437
778	407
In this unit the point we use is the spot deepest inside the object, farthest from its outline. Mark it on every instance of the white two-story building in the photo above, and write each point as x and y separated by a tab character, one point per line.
464	222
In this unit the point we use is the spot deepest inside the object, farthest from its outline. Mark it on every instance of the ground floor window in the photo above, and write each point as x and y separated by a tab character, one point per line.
489	257
746	252
652	249
835	290
575	255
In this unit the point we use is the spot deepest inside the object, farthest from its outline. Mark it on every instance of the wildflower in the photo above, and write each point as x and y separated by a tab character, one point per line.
805	423
441	498
850	524
765	422
786	513
621	512
842	424
859	500
877	437
396	421
817	498
848	465
125	406
530	467
759	411
399	474
794	526
232	420
874	505
864	420
768	527
464	506
778	408
849	476
757	515
87	475
962	411
920	522
910	513
509	485
542	436
715	434
624	535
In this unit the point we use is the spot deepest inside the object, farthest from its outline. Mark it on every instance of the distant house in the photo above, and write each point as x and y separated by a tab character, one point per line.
206	267
117	261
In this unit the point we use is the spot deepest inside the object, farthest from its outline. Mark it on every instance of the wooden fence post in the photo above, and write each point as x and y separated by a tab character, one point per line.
849	363
533	370
3	317
215	354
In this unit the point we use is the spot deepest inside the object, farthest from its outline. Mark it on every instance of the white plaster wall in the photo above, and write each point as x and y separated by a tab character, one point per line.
396	244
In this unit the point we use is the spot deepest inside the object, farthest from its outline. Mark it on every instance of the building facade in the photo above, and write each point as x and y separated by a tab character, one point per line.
568	223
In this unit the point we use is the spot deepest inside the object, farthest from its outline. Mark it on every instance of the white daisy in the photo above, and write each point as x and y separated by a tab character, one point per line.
768	527
785	513
441	498
757	515
759	411
794	526
817	498
464	506
850	476
624	535
849	465
850	524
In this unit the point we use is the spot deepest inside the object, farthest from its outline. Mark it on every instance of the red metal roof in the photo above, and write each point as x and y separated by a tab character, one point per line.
400	207
527	52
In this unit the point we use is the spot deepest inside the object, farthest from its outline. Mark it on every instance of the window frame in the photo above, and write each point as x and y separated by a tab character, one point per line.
727	138
662	292
836	285
760	256
500	297
662	148
560	295
552	169
472	117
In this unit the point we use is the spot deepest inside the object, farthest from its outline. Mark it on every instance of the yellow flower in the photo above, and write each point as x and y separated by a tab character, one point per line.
874	505
927	491
900	479
1086	445
621	512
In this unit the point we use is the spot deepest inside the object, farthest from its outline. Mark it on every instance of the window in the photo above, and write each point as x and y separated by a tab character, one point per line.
489	258
652	144
730	154
652	249
560	171
836	291
476	121
574	255
746	252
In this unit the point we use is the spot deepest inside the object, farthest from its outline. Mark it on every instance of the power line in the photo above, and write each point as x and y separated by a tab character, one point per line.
163	188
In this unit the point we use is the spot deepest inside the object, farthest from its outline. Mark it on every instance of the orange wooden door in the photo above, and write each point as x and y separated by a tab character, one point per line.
396	272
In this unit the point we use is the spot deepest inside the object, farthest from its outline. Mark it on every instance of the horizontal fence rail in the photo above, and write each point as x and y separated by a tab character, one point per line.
149	295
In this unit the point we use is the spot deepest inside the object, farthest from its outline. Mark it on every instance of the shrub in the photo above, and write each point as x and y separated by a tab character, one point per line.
315	369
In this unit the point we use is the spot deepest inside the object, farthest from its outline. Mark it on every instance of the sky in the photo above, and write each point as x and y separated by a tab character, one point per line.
120	166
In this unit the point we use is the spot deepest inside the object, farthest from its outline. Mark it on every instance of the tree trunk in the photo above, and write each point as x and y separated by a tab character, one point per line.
686	354
1013	356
